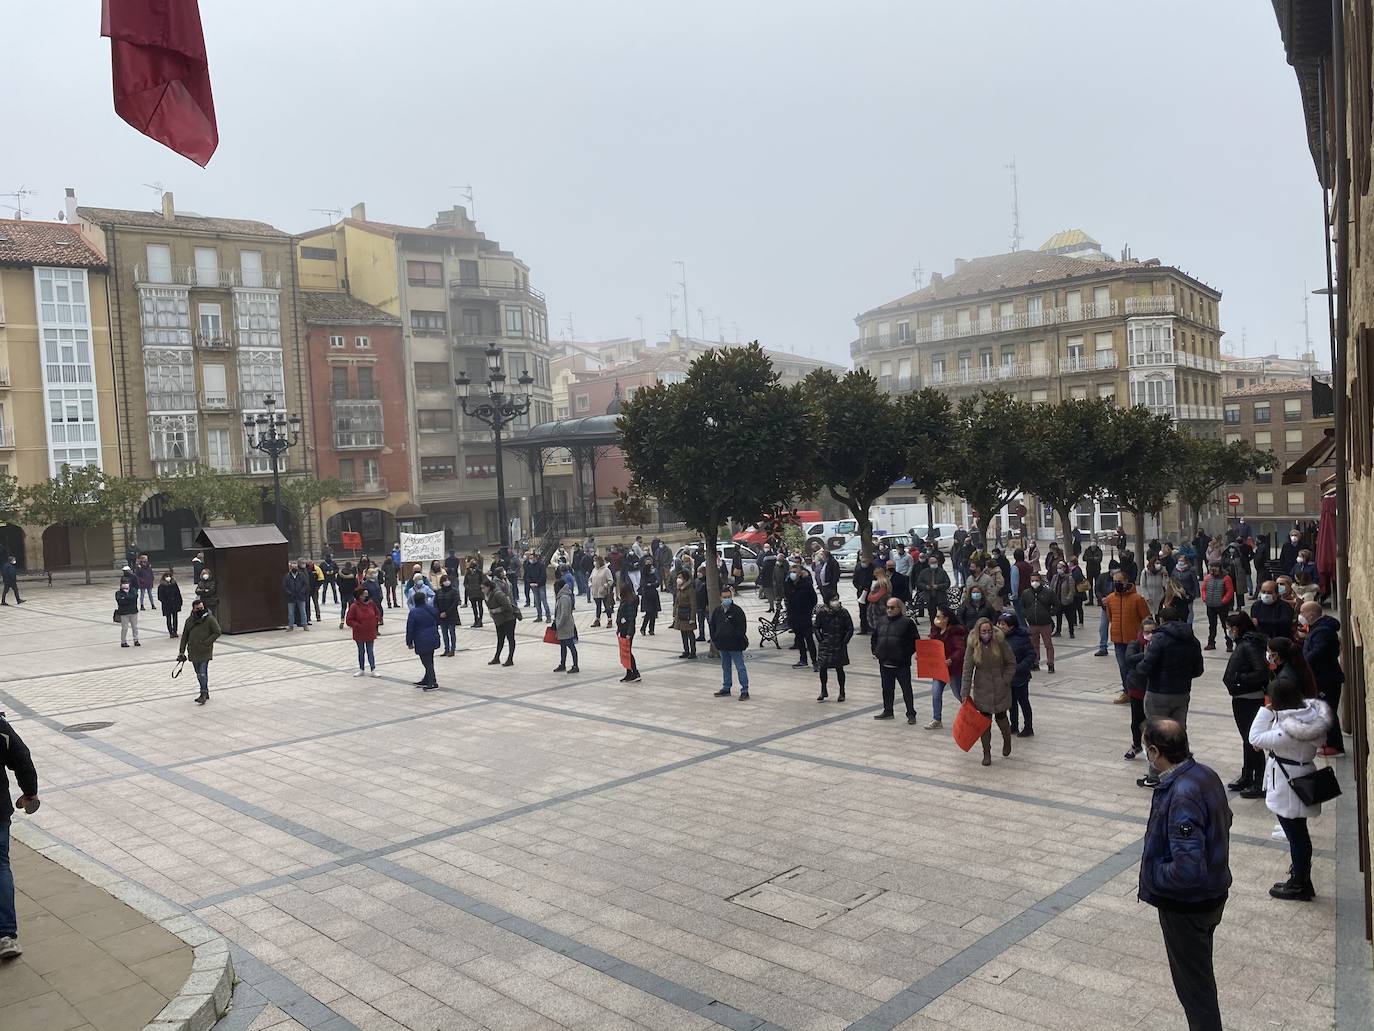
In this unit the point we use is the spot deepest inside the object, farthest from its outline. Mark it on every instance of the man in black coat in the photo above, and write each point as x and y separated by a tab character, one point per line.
1020	678
730	634
13	756
893	644
863	580
1321	647
1171	663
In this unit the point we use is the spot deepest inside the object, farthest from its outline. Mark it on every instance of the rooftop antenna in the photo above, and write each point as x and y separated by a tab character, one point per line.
18	206
1306	325
736	325
701	320
640	320
466	191
686	317
1242	341
672	312
720	328
572	333
1015	208
159	189
336	213
917	274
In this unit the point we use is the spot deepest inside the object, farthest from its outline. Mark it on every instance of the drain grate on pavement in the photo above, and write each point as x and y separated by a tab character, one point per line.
806	897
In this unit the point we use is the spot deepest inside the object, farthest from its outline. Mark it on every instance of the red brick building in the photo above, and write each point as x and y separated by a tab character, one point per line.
358	412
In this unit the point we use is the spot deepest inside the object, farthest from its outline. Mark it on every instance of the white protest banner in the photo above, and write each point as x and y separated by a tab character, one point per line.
422	547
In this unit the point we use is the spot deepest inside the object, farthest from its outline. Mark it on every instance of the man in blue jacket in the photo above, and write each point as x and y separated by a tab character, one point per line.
1321	647
1185	868
422	636
1024	651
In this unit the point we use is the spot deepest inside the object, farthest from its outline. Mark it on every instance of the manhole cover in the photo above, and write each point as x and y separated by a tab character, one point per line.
806	897
81	728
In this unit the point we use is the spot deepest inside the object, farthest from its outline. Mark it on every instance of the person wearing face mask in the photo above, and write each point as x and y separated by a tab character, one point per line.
448	606
1288	554
207	589
1092	562
1321	650
1135	684
1065	597
863	582
169	601
418	585
932	587
1284	586
800	597
834	628
1185	870
1038	607
1171	663
197	566
1272	617
894	645
989	664
1188	589
126	609
946	628
504	616
566	629
1126	611
874	602
976	605
364	616
422	637
685	615
348	583
1019	641
198	639
1246	677
1217	593
600	584
1291	728
296	587
730	634
1152	583
472	587
625	617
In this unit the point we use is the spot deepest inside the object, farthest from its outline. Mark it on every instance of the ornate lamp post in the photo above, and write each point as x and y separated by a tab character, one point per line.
497	409
267	433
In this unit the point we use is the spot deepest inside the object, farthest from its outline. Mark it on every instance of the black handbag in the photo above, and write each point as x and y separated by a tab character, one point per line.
1311	788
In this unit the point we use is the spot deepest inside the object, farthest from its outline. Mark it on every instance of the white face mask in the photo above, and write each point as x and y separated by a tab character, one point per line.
1267	598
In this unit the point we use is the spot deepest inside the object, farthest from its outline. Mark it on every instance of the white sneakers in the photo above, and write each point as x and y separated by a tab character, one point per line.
9	948
375	673
358	674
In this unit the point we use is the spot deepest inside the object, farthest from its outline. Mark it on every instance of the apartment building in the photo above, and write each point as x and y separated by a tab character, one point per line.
455	293
205	330
57	395
1238	372
356	358
1276	416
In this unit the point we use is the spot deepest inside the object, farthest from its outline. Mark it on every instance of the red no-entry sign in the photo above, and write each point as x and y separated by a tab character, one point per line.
1233	500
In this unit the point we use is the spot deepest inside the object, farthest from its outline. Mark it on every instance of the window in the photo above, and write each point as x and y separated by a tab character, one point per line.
319	253
211	322
372	473
207	267
1035	313
1107	390
1264	502
217	450
159	263
937	325
1005	311
1102	300
250	268
472	322
984	315
367	389
1103	343
436	419
1292	440
1078	393
583	403
428	323
1232	438
362	343
425	273
347	466
170	382
1149	336
965	363
468	273
216	392
985	360
1297	502
432	376
1075	352
1292	409
1039	397
1264	440
1231	414
480	468
257	318
937	366
515	322
432	469
1074	301
336	343
962	320
884	370
1261	411
903	331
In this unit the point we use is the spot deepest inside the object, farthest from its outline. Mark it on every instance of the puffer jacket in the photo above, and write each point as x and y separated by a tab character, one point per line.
1322	650
1021	647
1293	735
499	607
834	628
989	684
1039	606
894	640
685	609
1173	660
1135	683
1247	672
1185	864
602	580
1151	586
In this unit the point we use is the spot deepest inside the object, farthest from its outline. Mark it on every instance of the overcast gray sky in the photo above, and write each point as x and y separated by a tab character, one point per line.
801	157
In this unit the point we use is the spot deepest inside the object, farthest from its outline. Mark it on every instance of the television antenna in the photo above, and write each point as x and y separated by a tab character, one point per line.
335	213
159	189
917	274
466	192
672	311
18	206
1015	208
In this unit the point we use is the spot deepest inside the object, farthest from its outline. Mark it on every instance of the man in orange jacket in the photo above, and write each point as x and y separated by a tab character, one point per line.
1126	610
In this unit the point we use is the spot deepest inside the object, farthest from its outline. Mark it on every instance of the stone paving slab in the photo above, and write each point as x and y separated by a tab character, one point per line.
528	849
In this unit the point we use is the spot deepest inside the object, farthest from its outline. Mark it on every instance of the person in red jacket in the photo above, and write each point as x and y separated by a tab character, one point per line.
945	626
1218	592
364	616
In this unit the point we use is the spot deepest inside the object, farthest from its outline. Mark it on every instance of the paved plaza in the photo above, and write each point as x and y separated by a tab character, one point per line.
523	849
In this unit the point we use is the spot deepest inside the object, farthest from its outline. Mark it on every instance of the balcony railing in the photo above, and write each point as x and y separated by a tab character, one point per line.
349	392
214	343
206	279
256	400
4	376
493	288
355	440
1208	413
1158	304
174	466
1088	362
357	424
214	402
375	487
983	327
172	401
6	436
1147	359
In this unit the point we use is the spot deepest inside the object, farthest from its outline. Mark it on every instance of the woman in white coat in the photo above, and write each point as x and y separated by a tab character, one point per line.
1290	729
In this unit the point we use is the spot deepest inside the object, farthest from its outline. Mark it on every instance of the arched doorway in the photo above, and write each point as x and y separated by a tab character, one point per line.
376	525
165	534
57	547
12	544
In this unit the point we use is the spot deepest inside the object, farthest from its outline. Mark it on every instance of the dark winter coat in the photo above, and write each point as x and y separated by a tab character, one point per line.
1288	556
499	607
863	577
472	582
1021	647
968	614
296	585
1173	660
347	583
729	628
208	591
1135	680
1322	650
1247	672
14	755
169	596
1274	620
800	596
894	640
364	617
648	593
988	685
933	583
625	615
955	638
198	638
1039	606
1186	859
447	604
422	629
126	599
143	573
834	628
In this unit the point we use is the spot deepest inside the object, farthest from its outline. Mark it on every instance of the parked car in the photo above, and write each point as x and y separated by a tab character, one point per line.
848	555
944	532
829	534
749	558
754	535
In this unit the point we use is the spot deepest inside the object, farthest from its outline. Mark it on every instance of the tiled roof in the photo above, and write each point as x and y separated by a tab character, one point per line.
1278	386
328	306
182	222
392	229
46	243
1068	238
1009	272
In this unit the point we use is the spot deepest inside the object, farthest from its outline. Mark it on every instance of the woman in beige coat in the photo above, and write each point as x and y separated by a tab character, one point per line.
685	614
988	667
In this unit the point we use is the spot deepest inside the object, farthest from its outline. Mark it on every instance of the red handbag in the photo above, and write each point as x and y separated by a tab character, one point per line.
969	725
550	635
626	656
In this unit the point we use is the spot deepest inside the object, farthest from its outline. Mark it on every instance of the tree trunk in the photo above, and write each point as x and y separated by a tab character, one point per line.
865	534
86	555
930	513
1067	520
712	584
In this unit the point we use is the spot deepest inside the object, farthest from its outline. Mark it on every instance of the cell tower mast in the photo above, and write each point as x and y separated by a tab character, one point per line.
1015	208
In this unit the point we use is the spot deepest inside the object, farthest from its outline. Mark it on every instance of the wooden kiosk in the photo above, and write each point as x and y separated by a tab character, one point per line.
248	563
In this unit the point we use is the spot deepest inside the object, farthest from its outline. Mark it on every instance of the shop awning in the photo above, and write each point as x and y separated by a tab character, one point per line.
1319	454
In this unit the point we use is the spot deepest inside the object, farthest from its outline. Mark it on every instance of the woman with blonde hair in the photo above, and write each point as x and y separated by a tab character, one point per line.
988	668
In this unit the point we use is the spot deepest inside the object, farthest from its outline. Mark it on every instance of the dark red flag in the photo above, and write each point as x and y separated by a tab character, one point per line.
161	76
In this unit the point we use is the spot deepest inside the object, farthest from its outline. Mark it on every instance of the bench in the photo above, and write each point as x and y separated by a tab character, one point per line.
35	574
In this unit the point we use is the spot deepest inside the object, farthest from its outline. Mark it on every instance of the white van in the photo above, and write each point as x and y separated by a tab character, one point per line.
829	534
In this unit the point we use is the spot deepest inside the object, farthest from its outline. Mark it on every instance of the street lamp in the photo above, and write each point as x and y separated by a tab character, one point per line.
267	433
497	409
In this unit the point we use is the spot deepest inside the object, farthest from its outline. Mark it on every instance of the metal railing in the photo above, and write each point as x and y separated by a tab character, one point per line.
174	466
1091	362
6	436
214	343
4	376
469	287
351	440
1147	359
256	400
217	279
172	401
349	392
214	402
1158	304
374	487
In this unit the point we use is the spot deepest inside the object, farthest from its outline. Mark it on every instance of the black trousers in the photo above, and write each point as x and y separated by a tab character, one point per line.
1020	699
171	618
476	604
427	660
1188	942
1252	762
891	677
806	644
5	597
1217	615
1299	846
505	632
1331	694
1138	721
689	643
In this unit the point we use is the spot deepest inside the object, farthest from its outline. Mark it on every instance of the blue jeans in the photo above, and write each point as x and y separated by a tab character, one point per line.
9	925
365	652
449	633
564	647
737	660
149	592
1120	650
203	676
937	692
583	584
1102	625
541	602
297	613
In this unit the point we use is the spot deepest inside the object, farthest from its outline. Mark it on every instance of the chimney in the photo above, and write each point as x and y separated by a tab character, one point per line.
936	278
169	211
359	211
959	263
71	206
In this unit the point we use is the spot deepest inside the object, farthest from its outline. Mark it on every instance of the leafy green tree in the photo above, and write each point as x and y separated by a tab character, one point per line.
726	443
76	497
11	499
1145	446
859	433
986	461
1070	455
930	430
124	498
302	494
1205	463
209	494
